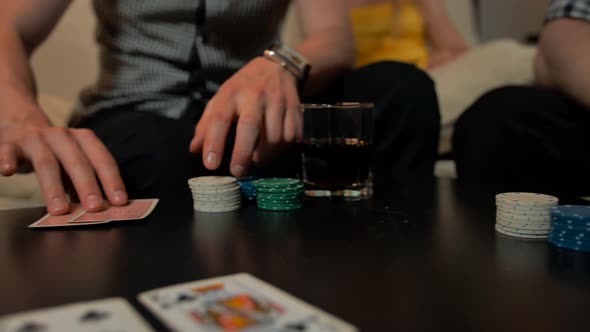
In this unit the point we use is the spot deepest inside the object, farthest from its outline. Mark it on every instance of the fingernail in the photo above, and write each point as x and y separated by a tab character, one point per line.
237	170
212	159
4	166
58	205
94	201
120	196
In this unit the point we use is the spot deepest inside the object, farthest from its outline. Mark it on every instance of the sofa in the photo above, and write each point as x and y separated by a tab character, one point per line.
67	62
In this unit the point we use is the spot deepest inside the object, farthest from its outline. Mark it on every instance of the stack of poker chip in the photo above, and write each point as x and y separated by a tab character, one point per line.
570	227
279	194
524	215
248	188
215	193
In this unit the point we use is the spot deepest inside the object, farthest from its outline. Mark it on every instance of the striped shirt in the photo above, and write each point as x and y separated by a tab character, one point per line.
578	9
157	56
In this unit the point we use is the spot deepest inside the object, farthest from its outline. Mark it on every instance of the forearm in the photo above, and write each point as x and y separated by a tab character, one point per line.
441	32
331	54
17	88
563	63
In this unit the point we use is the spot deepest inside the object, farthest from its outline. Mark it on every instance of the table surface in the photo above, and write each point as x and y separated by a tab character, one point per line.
413	258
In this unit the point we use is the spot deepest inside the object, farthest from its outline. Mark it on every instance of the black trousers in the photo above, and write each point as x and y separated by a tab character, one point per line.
528	137
152	151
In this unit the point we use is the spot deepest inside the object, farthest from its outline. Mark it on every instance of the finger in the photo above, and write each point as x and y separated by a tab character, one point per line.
250	119
264	151
48	173
8	159
292	115
216	130
104	164
274	118
77	167
197	142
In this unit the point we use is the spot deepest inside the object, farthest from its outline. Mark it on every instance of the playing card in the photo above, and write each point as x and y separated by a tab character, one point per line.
236	303
60	221
113	314
135	210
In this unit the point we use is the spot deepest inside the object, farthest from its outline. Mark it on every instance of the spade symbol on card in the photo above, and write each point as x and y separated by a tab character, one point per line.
185	298
296	327
94	316
32	327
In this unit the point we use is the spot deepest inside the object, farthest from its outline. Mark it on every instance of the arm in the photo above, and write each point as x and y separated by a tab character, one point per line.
562	60
263	96
26	136
328	41
445	40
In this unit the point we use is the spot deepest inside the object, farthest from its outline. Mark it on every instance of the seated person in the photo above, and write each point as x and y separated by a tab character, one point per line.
176	76
412	31
536	137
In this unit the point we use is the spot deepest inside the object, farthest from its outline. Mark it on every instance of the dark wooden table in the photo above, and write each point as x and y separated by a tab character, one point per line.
414	258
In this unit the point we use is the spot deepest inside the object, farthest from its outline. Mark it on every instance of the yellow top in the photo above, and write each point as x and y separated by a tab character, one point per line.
382	34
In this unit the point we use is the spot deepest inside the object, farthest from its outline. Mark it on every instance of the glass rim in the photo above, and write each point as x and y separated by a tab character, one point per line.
343	105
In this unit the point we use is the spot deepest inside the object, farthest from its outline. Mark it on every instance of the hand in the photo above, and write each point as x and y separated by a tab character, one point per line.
263	97
49	149
441	57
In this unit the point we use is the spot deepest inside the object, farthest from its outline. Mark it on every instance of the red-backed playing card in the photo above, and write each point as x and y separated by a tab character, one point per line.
49	220
135	210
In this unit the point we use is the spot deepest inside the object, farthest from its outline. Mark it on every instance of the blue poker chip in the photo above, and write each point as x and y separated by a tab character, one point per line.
579	246
566	246
247	186
570	231
567	221
571	212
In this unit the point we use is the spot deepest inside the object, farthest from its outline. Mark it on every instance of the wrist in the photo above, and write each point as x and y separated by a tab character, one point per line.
290	60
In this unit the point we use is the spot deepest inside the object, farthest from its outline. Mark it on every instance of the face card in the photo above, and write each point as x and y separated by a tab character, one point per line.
135	210
113	314
236	303
49	220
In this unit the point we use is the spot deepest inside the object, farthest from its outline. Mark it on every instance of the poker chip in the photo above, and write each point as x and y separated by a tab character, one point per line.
524	215
279	194
247	187
505	231
215	194
527	200
570	227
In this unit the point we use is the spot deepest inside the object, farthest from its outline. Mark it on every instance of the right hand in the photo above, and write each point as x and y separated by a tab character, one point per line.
48	149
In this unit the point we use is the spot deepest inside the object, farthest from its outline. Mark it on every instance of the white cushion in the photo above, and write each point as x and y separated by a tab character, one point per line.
483	68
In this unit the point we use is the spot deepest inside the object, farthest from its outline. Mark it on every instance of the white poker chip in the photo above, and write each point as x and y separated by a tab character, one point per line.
531	226
522	209
516	217
216	204
217	209
217	198
525	231
502	230
214	190
533	214
527	200
212	180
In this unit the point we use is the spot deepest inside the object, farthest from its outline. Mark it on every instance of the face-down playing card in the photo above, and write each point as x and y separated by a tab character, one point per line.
236	303
113	314
135	210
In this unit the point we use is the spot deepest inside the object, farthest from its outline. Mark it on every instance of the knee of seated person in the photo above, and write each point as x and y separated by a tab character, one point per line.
500	105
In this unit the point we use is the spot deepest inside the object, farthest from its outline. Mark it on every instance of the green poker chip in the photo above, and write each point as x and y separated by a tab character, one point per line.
277	183
281	197
280	207
278	202
289	190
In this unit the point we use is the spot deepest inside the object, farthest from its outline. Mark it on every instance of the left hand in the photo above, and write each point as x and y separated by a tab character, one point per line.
440	57
263	97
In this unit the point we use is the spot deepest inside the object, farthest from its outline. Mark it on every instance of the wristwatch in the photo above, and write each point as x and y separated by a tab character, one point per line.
289	59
